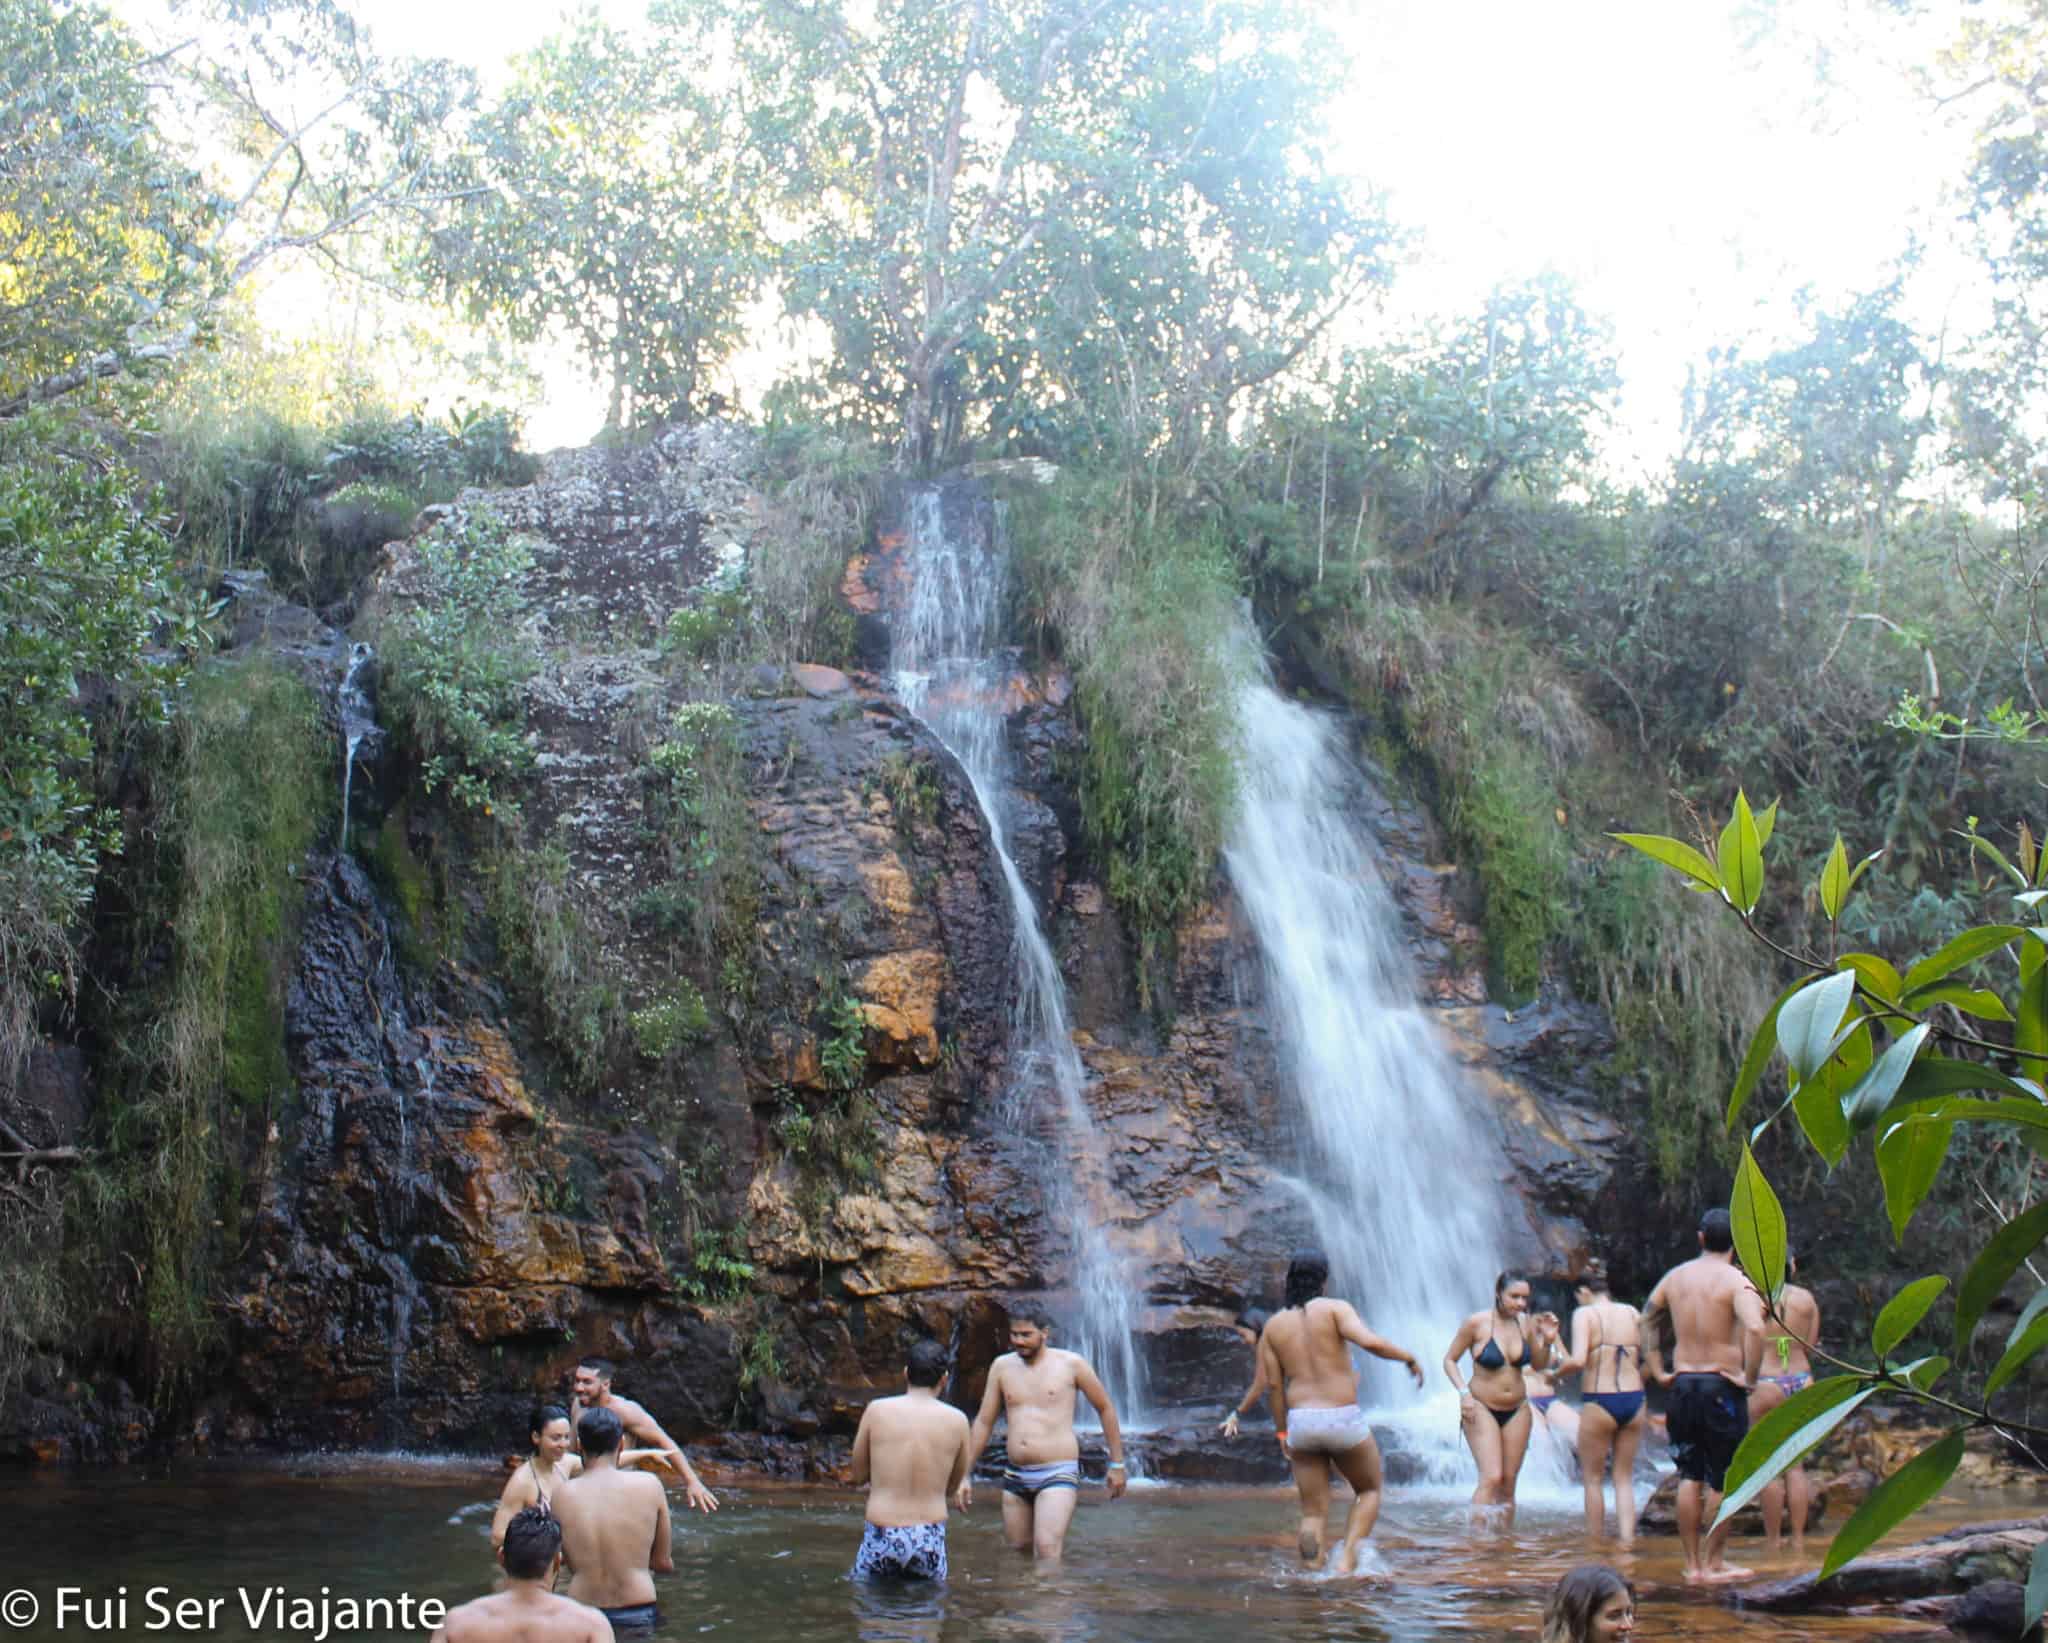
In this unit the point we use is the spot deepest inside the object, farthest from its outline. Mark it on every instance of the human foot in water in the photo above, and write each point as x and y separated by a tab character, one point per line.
1310	1545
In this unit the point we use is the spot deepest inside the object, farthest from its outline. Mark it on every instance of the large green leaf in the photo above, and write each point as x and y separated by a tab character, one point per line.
1903	1312
1923	1372
1980	1002
1878	1088
2027	1344
1909	1156
2030	1025
1935	1075
1787	1433
2028	1313
1994	1266
1902	1494
1877	976
1834	880
1761	1043
1967	948
1759	1226
1673	853
1742	858
2037	1586
1808	1019
1819	1110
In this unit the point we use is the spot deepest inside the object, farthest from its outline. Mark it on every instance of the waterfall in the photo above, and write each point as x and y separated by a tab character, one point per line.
952	674
1404	1186
358	723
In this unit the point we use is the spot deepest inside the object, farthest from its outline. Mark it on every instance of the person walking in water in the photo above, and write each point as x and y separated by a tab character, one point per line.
911	1453
1493	1409
1793	1327
594	1391
615	1530
548	1466
527	1610
1032	1387
1249	1325
1606	1346
1718	1320
1305	1355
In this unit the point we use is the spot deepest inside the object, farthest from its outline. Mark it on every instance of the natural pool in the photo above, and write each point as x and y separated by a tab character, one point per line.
1193	1565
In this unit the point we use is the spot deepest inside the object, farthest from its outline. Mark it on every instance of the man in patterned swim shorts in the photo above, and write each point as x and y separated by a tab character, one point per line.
912	1452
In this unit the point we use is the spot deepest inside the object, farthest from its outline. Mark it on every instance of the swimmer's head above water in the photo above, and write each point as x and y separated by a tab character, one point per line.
1249	1324
1717	1232
548	1432
1307	1272
928	1365
593	1380
533	1544
1028	1330
600	1432
1510	1294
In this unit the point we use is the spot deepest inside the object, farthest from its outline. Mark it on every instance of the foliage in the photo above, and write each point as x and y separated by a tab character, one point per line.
666	1025
821	491
719	1271
554	955
698	812
455	662
1904	1056
843	1052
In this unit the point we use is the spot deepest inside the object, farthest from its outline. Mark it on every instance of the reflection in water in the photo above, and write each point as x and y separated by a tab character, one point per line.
1175	1566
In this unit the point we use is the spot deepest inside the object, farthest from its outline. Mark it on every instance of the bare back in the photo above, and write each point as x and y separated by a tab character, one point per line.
1313	1355
1038	1404
1796	1327
912	1451
1716	1315
615	1531
1604	1339
523	1617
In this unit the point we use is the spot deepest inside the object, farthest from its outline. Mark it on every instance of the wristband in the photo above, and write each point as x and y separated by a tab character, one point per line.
1116	1466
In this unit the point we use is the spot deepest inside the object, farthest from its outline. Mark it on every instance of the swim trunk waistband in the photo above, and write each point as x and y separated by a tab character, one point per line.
1327	1431
1029	1482
911	1551
1788	1384
632	1617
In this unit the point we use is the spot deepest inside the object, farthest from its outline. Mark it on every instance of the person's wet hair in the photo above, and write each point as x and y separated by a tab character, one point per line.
602	1368
1505	1281
1307	1272
532	1539
1253	1318
544	1417
1593	1276
1577	1597
1718	1231
1039	1317
599	1432
927	1364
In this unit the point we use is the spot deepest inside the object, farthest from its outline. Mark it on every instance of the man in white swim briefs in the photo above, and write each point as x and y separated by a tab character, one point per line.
1305	1351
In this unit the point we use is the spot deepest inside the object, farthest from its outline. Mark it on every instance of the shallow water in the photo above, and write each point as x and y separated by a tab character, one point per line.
1192	1565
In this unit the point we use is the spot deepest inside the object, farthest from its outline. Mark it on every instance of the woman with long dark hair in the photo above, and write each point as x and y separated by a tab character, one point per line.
1590	1604
1494	1408
548	1465
1603	1356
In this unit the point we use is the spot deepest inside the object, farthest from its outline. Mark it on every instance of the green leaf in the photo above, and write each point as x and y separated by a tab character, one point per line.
1993	1268
1742	858
1761	1043
1878	977
1903	1312
1673	853
2028	1313
1819	1110
2030	1027
1980	1002
2037	1586
1807	1022
2014	1358
1902	1494
1879	1087
1922	1373
1909	1156
1967	948
1787	1433
1861	868
1759	1227
1935	1075
1834	880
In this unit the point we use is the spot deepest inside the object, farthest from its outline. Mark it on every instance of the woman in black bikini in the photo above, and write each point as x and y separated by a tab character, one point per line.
546	1468
1494	1408
1603	1355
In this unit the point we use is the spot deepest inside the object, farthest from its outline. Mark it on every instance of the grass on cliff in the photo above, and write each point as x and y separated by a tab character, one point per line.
1144	609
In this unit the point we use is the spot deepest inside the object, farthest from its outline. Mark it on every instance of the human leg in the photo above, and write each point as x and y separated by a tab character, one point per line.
1798	1495
1763	1398
1361	1469
1483	1437
1689	1493
1514	1449
1312	1484
1596	1439
1017	1516
1053	1511
1627	1439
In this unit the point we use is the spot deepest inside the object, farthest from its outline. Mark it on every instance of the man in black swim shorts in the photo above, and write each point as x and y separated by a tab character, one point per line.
1718	1318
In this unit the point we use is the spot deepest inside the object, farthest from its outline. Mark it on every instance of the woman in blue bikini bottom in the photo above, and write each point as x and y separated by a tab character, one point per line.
1611	1422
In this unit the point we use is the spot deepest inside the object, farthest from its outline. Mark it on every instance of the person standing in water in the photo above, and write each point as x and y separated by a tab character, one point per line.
615	1530
546	1468
1718	1319
911	1453
527	1610
1249	1324
1305	1355
1793	1327
594	1391
1032	1386
1494	1408
1606	1345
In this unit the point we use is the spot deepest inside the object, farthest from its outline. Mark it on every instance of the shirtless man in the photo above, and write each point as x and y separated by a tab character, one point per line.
594	1391
614	1529
527	1610
1794	1326
1718	1318
1305	1354
911	1452
1033	1385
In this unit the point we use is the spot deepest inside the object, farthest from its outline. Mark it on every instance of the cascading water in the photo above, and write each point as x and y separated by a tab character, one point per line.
1395	1164
951	673
359	725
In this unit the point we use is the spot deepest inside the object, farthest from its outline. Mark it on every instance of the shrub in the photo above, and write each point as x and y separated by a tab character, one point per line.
667	1025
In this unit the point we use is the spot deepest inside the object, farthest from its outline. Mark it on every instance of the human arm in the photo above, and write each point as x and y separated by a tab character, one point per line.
1749	1316
1650	1335
661	1560
1276	1387
1352	1327
637	1421
1250	1400
520	1492
1549	1342
599	1627
859	1464
1112	1434
1460	1343
962	1460
1574	1361
984	1426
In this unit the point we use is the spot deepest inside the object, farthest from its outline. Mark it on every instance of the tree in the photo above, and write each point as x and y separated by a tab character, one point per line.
1904	1057
609	204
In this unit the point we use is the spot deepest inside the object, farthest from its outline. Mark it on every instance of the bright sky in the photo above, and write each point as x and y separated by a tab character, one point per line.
1675	160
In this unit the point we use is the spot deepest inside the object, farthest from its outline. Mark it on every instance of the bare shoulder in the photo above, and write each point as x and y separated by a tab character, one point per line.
1074	1364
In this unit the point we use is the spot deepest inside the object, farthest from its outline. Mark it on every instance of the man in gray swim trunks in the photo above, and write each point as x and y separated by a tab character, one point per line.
1033	1385
1305	1351
911	1452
